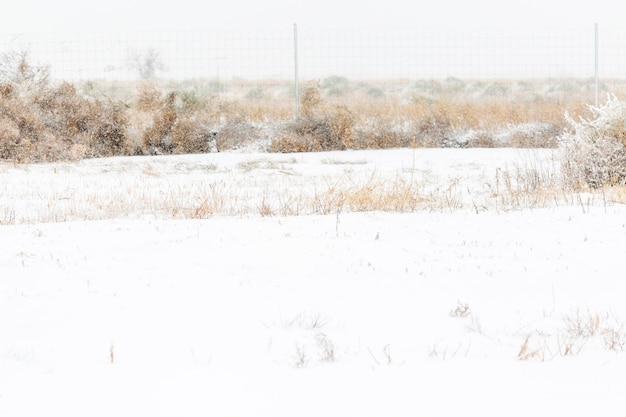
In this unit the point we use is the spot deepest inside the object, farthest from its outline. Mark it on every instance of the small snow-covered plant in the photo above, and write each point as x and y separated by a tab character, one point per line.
326	348
300	357
461	310
528	350
614	338
594	150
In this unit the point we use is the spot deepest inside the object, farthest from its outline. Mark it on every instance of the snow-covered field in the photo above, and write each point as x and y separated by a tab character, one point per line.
256	285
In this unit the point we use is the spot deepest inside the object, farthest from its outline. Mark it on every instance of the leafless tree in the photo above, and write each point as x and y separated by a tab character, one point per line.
146	63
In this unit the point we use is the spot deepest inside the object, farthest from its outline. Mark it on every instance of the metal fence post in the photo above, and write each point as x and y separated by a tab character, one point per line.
596	64
295	58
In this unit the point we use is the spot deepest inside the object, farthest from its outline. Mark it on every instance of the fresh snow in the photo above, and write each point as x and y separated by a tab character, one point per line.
112	304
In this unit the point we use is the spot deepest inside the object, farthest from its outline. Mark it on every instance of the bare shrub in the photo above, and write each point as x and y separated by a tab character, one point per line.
76	120
583	325
340	124
580	328
146	63
235	134
434	130
16	69
148	97
453	85
108	131
9	138
310	100
538	136
461	310
614	338
381	135
173	123
335	85
46	148
422	90
482	139
6	90
190	136
255	93
157	138
290	142
332	130
594	150
375	93
23	132
192	102
67	114
326	348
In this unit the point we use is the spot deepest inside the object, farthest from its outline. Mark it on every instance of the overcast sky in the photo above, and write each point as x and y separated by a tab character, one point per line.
67	36
124	15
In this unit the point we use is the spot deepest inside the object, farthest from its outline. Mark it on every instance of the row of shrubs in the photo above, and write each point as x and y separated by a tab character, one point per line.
42	122
325	126
592	149
48	123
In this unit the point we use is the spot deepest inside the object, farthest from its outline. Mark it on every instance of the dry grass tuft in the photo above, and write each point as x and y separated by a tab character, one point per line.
582	328
579	330
614	338
530	351
399	195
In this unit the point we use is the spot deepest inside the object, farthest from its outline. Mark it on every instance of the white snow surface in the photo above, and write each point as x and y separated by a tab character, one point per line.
120	309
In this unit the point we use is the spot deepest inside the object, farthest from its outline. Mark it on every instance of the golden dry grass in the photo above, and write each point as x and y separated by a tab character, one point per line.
284	186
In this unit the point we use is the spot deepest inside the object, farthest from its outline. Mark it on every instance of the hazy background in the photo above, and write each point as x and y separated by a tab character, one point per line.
367	39
124	15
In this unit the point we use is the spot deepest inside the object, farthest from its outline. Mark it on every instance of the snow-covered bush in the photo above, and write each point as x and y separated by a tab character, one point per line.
593	151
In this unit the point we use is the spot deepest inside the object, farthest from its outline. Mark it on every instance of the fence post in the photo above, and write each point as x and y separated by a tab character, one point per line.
596	64
295	58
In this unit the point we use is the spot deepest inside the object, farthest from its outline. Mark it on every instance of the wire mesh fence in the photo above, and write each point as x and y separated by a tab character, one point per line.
363	54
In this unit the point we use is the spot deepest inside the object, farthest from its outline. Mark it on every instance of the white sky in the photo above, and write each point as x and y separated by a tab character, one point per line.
49	31
125	15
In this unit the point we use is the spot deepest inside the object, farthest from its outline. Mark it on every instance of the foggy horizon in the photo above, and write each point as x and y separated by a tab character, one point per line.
257	54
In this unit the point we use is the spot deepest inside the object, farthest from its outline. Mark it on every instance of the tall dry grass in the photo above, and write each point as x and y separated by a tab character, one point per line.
197	188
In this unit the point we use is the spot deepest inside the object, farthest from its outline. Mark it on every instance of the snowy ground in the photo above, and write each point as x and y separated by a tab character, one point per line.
193	186
130	304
